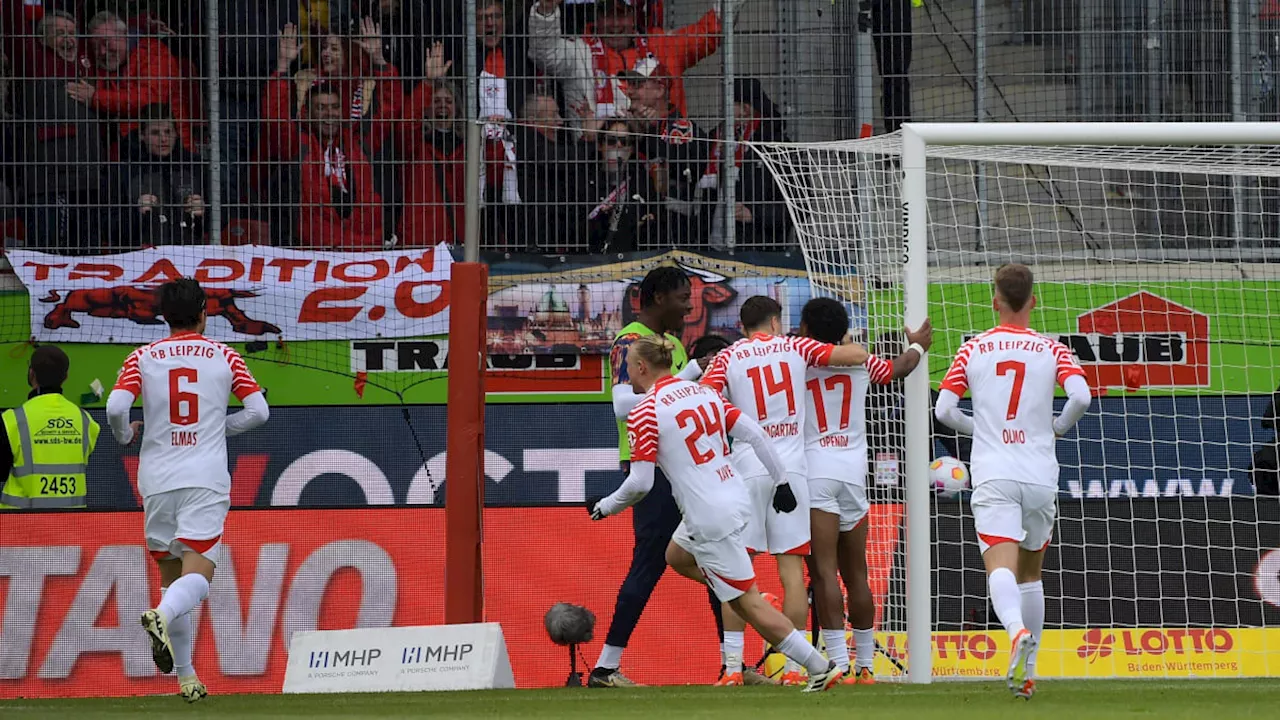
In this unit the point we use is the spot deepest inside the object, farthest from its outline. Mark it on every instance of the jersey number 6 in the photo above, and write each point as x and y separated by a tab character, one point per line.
178	414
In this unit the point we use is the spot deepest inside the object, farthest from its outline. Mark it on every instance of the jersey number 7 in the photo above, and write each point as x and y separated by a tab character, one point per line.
704	424
1019	370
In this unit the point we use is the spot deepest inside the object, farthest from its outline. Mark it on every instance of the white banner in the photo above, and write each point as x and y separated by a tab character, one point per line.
255	292
402	659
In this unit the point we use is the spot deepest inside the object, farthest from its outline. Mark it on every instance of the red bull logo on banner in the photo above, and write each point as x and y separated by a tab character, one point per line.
141	305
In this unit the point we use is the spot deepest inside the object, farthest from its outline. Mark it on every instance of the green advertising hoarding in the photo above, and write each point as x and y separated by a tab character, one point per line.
1220	337
317	373
1203	337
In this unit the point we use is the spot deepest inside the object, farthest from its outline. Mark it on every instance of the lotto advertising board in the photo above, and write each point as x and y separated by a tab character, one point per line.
1163	589
1169	653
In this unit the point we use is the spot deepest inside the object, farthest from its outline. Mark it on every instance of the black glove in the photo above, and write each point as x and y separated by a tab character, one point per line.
784	501
592	502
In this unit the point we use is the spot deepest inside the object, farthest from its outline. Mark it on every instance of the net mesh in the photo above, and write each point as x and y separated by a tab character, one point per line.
1155	267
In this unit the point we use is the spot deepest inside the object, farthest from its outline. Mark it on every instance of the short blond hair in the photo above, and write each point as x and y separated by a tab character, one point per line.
656	350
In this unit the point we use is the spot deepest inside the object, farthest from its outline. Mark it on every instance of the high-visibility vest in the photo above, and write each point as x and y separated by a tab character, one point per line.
51	439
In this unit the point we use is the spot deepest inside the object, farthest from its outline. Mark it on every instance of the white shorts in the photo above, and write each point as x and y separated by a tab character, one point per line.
771	531
846	500
1016	512
724	562
187	519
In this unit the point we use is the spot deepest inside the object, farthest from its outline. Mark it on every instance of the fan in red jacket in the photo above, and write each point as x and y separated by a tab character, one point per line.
430	144
337	204
130	73
356	65
615	45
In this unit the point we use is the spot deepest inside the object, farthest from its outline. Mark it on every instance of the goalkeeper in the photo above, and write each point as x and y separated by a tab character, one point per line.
665	300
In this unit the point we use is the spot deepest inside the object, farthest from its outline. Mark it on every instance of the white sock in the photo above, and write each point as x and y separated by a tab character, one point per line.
610	657
722	652
1033	616
1007	601
184	594
864	646
837	647
796	648
180	638
734	642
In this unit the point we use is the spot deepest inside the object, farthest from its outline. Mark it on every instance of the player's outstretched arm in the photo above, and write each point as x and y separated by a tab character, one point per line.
852	354
749	431
919	341
744	428
255	413
118	404
949	413
1078	400
632	490
625	397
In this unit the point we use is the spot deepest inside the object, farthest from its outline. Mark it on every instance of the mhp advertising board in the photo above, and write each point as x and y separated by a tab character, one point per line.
548	454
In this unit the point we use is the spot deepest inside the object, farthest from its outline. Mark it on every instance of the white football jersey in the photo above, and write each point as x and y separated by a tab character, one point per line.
835	428
1011	373
184	382
683	427
764	376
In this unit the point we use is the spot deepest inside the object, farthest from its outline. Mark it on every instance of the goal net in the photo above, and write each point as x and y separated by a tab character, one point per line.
1156	265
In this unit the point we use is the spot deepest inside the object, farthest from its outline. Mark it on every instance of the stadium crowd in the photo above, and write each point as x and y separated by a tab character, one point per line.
339	126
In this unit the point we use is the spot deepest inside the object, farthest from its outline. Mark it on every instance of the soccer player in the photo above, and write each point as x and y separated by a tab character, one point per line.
764	374
1011	371
836	456
184	381
681	427
665	300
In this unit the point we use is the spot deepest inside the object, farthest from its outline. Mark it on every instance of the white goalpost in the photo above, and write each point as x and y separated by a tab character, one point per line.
1155	252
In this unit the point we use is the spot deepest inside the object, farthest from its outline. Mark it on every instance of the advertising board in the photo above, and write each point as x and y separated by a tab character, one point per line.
1134	588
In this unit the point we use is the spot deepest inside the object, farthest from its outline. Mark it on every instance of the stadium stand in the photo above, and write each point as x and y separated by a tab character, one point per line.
345	130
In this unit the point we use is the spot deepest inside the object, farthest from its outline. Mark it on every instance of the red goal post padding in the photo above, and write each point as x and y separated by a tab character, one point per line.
464	479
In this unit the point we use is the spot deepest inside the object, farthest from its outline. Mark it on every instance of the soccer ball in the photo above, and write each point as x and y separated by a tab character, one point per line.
949	476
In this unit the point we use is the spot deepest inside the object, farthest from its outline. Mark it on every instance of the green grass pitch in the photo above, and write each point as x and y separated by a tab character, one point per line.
1063	700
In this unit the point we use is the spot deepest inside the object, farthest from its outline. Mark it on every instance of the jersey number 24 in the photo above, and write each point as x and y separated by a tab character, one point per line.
706	421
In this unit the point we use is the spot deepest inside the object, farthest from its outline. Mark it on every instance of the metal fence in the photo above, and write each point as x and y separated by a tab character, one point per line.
342	123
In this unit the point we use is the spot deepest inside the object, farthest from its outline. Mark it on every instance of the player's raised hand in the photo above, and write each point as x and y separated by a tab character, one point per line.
593	508
922	335
136	428
784	500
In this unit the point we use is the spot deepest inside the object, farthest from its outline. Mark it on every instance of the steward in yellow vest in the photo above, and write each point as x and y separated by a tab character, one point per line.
48	443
